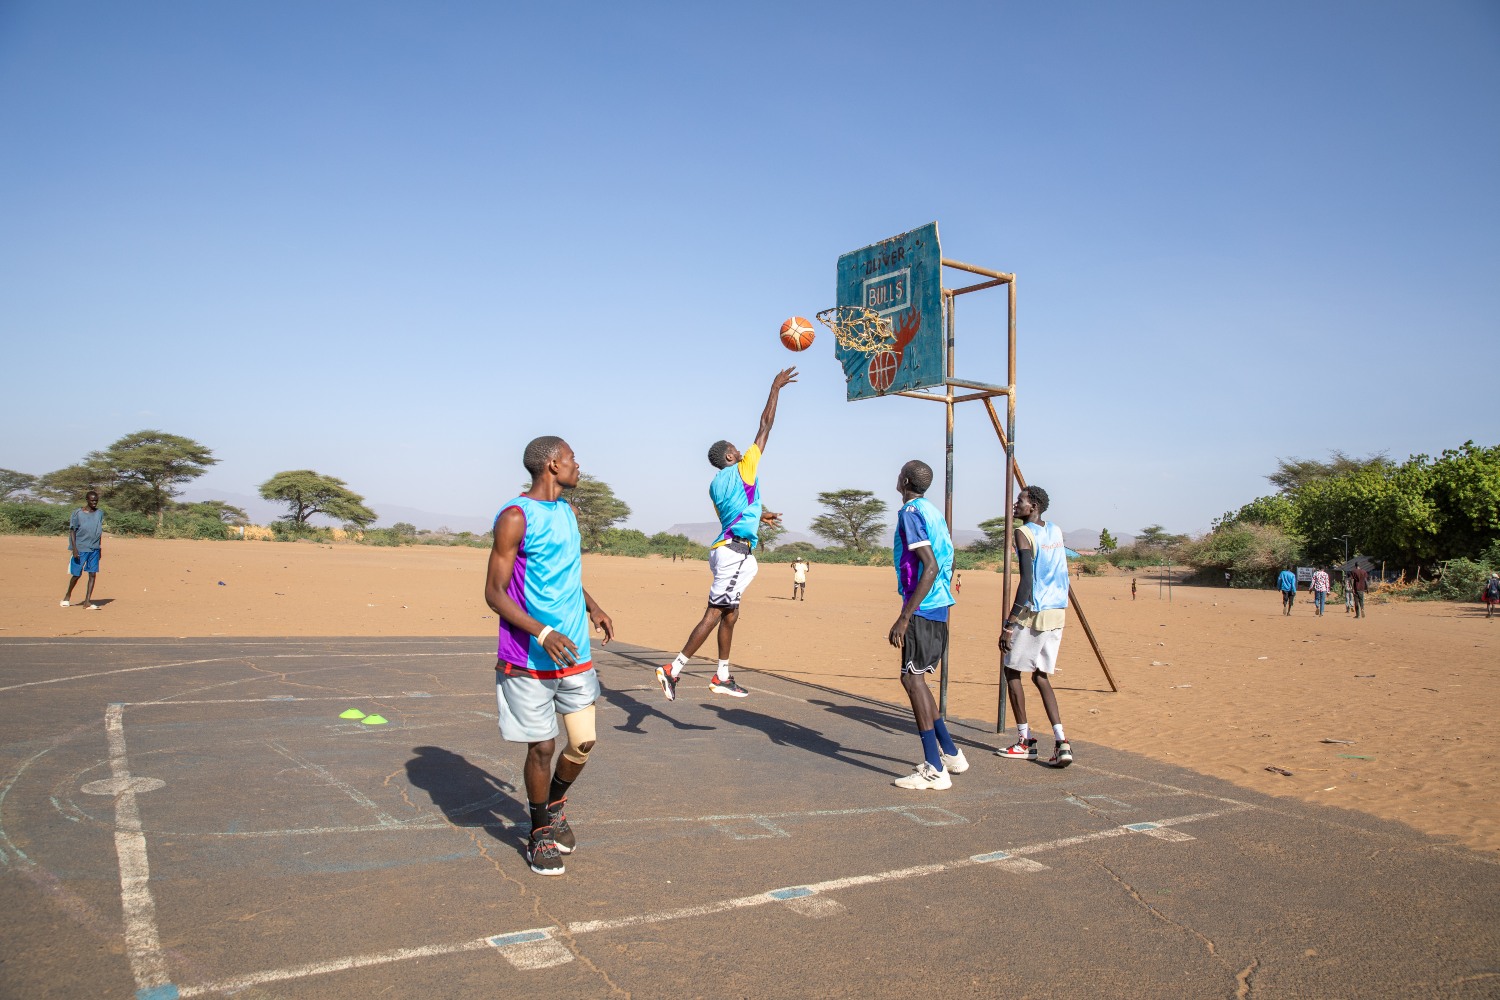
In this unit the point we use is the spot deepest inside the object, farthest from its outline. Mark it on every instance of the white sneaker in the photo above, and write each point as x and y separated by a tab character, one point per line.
63	604
925	776
957	764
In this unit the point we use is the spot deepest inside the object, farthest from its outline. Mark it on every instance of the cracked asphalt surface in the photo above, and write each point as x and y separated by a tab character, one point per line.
192	818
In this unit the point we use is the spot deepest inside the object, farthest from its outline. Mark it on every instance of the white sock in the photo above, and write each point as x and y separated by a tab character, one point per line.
1057	733
1023	731
677	666
723	672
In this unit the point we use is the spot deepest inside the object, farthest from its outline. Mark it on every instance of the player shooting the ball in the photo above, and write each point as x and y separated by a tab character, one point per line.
735	491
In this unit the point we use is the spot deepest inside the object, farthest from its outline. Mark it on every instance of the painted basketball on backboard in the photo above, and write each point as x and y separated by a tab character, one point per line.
881	371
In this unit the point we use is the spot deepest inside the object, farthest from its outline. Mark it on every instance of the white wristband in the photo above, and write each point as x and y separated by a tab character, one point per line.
541	636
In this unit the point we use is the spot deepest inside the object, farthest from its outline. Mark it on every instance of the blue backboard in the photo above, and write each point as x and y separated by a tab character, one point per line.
901	279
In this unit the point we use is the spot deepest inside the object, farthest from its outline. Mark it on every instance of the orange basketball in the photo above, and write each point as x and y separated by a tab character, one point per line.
797	334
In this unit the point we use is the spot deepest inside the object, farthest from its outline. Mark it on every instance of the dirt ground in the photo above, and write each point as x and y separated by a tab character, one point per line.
1212	679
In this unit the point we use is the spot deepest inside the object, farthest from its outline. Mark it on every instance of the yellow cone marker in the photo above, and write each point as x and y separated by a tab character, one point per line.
352	713
374	720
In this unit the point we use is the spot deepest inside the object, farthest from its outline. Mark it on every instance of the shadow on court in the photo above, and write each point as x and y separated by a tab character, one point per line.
185	818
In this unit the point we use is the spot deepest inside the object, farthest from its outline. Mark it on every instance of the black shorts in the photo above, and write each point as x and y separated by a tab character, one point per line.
926	642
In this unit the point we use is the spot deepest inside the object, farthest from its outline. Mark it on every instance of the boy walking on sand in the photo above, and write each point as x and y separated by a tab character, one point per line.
543	670
923	553
1033	629
85	538
735	491
1287	584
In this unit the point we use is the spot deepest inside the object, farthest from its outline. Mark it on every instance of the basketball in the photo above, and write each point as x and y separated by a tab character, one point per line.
797	334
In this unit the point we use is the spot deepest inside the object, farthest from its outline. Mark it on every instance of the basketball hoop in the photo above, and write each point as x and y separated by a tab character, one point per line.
859	329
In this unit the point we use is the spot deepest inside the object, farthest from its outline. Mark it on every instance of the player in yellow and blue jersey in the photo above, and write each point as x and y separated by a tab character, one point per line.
735	492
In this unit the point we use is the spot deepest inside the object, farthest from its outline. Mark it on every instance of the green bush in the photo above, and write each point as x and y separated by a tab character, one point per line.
290	531
1461	580
31	518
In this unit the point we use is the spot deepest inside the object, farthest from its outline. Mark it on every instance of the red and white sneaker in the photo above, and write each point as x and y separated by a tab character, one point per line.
1020	750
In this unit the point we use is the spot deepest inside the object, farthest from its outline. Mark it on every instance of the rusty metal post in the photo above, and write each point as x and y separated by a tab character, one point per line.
1072	594
1010	466
948	489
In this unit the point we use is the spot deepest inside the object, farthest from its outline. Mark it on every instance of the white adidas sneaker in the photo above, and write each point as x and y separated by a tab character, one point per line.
925	776
957	764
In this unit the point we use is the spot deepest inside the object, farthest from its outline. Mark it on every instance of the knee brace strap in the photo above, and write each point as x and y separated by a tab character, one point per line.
581	733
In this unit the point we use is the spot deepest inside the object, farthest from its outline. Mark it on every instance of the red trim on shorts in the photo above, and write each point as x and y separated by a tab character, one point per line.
511	669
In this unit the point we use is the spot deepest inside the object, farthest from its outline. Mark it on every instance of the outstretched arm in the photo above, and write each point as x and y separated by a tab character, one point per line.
768	416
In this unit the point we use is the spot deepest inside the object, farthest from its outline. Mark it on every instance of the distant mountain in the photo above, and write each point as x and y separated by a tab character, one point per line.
706	532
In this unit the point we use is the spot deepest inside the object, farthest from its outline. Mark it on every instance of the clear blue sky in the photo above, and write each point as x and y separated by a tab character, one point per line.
393	242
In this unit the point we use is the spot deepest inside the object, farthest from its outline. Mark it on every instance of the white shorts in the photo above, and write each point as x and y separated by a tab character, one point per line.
1032	650
732	572
529	706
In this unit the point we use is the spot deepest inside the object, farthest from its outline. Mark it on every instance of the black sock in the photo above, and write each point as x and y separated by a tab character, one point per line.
538	815
559	789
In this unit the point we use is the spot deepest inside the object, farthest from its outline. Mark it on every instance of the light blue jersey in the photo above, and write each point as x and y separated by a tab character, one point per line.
735	492
547	583
1049	567
919	524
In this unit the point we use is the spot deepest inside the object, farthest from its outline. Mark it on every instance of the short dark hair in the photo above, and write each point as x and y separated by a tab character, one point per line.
1038	497
716	453
918	474
539	452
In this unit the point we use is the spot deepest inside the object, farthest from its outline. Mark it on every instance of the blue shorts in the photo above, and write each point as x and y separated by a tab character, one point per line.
87	562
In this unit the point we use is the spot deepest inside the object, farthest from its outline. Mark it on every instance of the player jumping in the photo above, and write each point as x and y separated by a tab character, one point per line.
735	491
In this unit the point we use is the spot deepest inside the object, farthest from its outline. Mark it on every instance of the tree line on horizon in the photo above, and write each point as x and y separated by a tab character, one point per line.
1442	514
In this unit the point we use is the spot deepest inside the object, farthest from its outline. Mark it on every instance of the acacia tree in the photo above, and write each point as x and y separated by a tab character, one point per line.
306	493
853	520
15	485
597	509
1107	541
144	469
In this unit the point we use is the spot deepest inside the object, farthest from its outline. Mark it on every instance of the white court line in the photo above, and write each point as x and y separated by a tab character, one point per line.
998	858
122	670
142	945
296	698
343	786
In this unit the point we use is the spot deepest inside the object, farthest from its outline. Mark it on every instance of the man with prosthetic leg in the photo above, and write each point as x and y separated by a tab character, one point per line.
1033	629
543	670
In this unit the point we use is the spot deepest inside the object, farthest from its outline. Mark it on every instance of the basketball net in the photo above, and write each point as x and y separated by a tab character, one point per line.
859	329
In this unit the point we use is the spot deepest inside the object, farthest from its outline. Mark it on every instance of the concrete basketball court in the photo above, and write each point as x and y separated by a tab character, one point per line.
192	818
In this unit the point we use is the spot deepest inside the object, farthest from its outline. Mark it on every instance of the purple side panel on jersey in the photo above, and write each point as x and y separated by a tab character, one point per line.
515	643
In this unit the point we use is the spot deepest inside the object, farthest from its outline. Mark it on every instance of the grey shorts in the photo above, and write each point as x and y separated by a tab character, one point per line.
529	706
1033	650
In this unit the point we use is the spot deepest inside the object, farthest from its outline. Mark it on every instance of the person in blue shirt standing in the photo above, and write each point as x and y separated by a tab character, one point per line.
1287	584
544	670
735	492
923	551
85	538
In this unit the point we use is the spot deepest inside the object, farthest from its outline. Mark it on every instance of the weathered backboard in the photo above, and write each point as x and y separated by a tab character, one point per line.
901	279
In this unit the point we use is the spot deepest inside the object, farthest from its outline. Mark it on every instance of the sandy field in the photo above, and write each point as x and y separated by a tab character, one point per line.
1215	680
